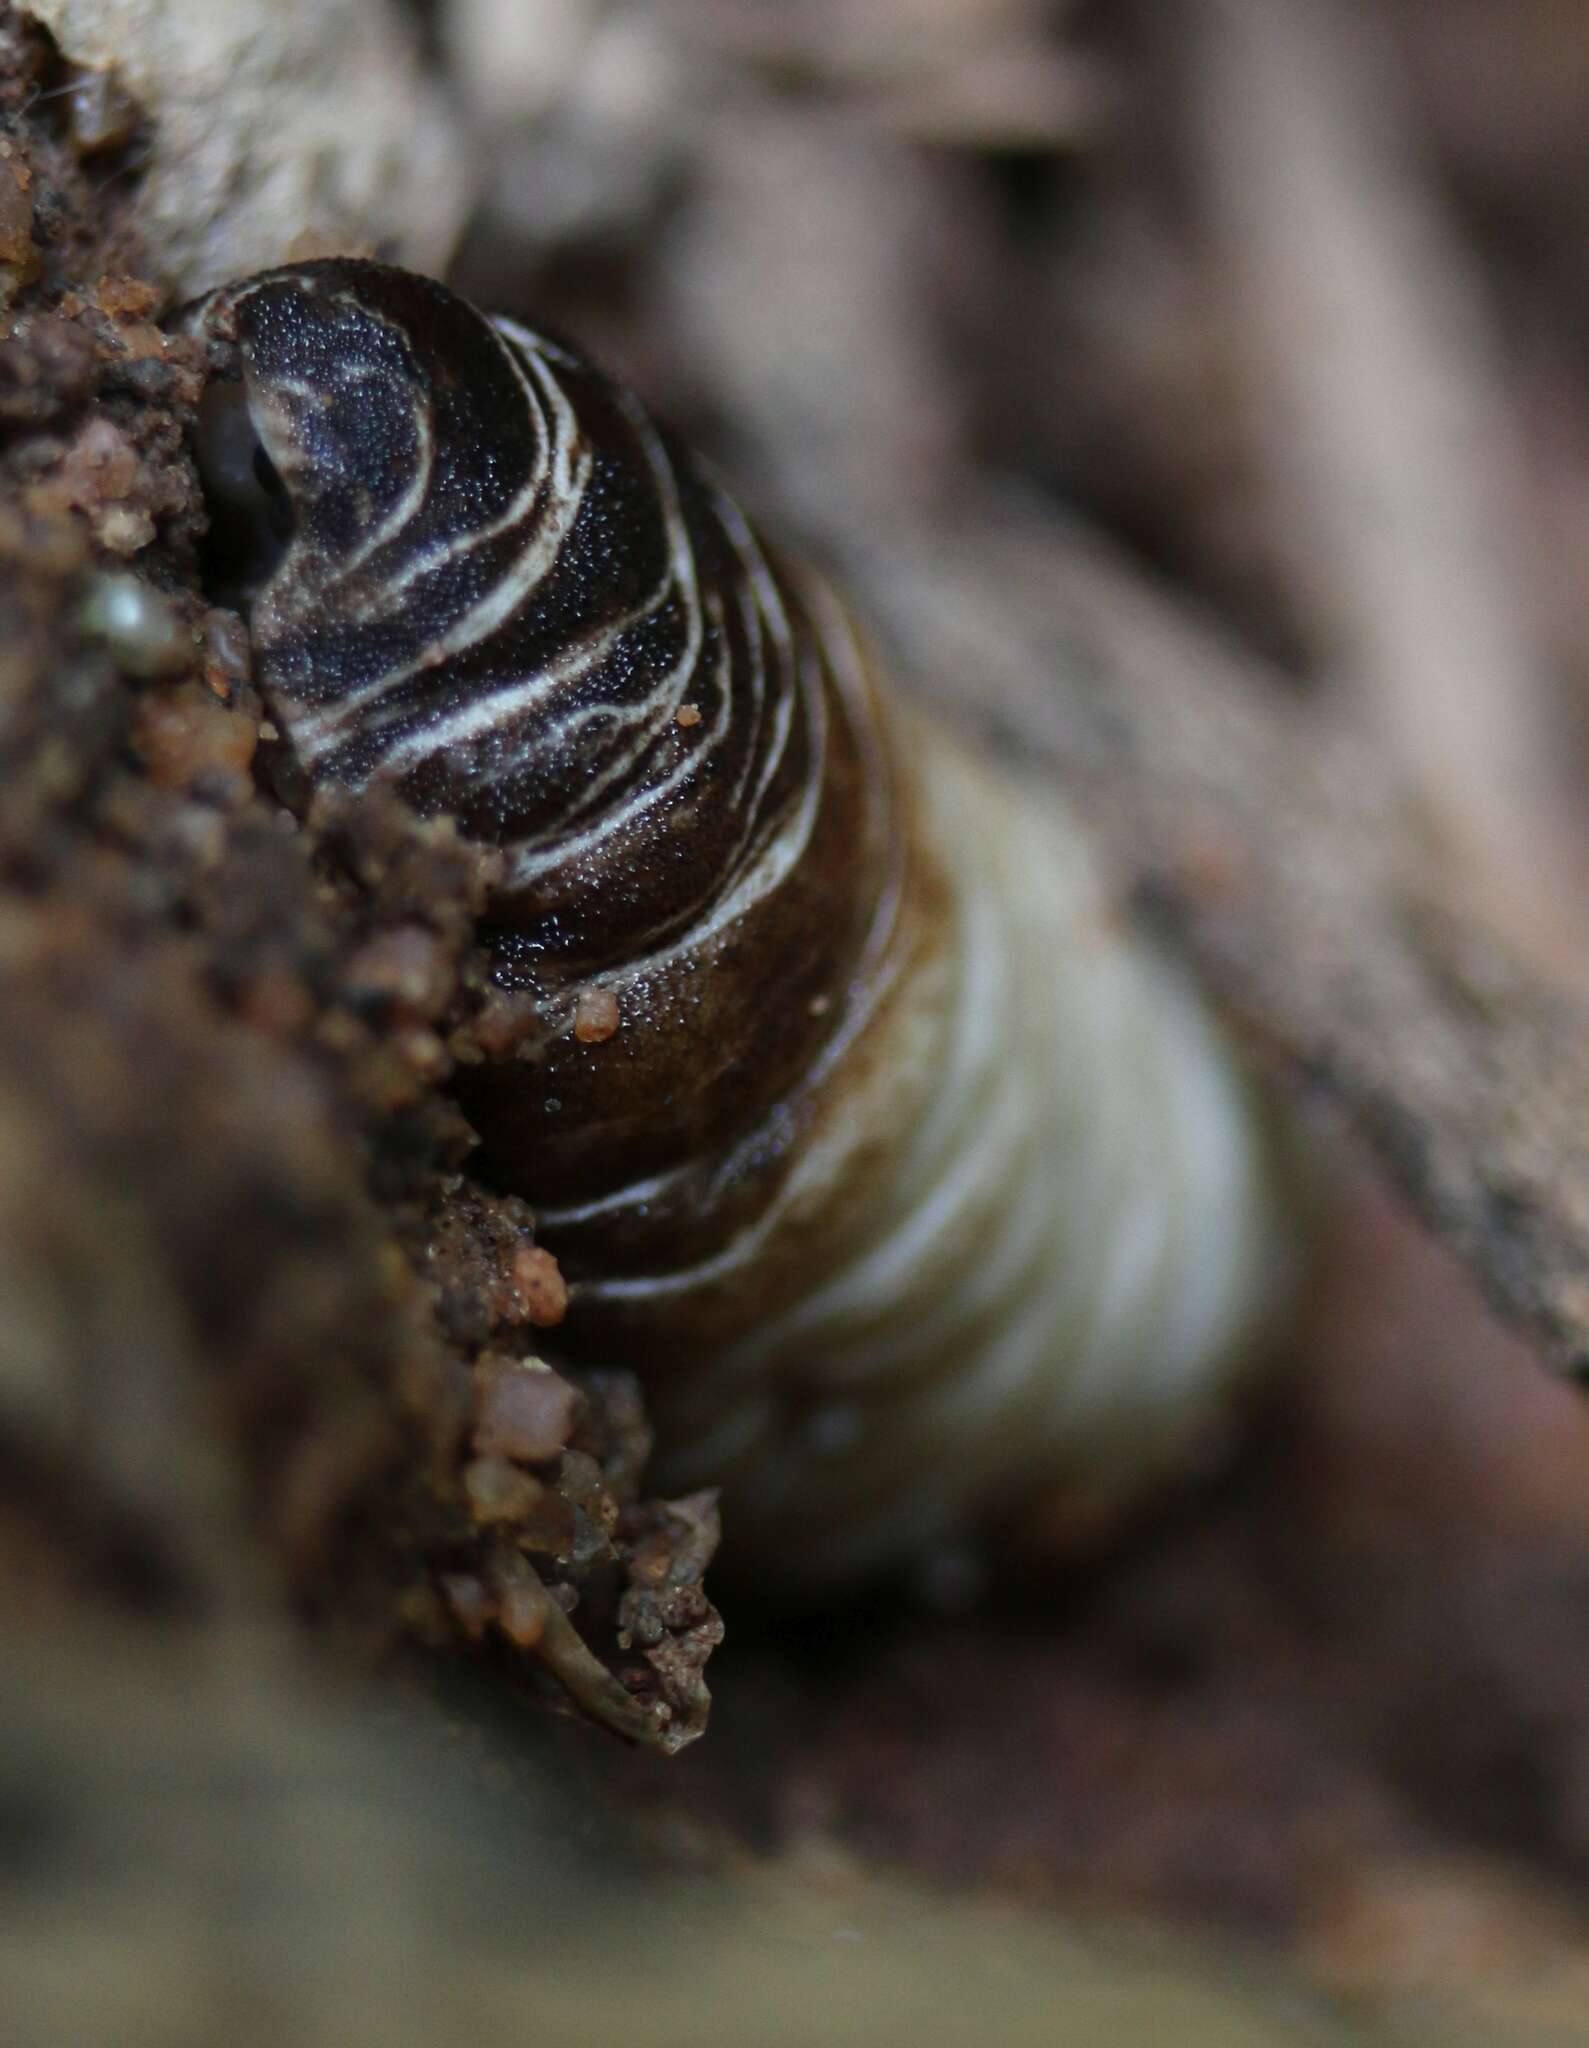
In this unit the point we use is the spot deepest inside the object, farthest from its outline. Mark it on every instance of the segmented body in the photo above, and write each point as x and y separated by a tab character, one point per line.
909	1179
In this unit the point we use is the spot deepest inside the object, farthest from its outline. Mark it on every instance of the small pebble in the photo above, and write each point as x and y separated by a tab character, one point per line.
185	735
100	112
140	630
595	1016
523	1410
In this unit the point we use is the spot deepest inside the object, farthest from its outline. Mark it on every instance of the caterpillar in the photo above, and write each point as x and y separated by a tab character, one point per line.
909	1177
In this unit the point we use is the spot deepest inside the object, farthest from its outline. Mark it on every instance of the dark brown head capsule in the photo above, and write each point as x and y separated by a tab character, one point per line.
908	1184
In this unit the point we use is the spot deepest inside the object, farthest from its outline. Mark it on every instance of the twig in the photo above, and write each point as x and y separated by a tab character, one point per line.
1390	463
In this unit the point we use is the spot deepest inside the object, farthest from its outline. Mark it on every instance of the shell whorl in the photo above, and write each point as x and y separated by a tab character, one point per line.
502	588
865	1165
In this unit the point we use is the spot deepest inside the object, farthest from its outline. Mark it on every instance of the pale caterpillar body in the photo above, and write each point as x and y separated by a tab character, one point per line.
907	1176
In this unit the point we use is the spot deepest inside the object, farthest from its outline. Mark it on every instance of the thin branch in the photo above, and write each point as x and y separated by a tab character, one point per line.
1390	463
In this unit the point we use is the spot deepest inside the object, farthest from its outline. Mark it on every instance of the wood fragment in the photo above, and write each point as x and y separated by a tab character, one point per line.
1389	461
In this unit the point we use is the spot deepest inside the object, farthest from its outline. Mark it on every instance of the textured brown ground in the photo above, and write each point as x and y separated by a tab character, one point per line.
233	1028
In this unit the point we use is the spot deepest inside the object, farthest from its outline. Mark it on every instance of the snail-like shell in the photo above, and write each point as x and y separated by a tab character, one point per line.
910	1179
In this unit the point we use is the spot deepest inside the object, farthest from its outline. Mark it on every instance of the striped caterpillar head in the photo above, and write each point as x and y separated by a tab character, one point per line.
476	571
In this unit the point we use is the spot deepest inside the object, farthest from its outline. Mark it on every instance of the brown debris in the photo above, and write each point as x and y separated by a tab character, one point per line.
127	299
99	466
523	1409
259	1013
505	1019
101	114
485	1244
596	1016
185	737
499	1492
539	1288
407	968
18	256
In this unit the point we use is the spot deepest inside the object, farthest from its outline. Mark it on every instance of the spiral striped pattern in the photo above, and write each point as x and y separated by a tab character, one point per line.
906	1176
509	596
503	590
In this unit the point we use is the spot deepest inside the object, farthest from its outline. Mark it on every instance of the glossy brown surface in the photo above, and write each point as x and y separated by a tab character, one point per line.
505	592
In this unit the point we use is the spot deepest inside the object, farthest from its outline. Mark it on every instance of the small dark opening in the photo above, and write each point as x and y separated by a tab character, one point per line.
251	513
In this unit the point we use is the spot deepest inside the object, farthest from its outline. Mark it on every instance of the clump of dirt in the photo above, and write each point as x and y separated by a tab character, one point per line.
229	1026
